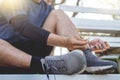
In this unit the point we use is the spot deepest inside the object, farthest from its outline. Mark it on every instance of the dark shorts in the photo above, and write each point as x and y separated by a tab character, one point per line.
34	49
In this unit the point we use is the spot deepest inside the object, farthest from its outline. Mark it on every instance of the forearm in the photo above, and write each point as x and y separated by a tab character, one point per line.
56	40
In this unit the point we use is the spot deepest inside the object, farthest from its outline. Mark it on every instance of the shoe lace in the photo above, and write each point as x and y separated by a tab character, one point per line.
55	66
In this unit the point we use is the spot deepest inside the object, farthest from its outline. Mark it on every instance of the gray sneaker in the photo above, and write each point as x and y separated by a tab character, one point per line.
97	65
71	63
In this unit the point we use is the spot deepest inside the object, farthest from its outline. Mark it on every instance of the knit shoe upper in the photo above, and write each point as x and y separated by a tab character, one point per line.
73	62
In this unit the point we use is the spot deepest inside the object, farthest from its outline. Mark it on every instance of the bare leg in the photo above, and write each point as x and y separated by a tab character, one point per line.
59	23
10	56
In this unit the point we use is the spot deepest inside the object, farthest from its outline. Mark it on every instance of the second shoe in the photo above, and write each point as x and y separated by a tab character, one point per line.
97	65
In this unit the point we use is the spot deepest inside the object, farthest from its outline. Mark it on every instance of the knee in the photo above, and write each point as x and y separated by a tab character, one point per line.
3	42
57	13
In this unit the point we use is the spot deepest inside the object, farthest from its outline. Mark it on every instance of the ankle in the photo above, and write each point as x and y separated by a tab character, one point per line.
36	64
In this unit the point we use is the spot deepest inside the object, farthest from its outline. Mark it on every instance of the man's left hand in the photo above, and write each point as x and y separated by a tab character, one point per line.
98	45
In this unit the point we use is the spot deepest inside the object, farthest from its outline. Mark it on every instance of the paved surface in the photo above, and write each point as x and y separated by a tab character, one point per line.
61	77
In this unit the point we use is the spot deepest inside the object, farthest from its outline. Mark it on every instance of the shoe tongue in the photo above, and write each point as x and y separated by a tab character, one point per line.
89	55
87	51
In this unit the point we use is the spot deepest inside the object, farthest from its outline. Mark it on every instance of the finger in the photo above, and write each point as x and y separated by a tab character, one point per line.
83	39
103	45
98	50
79	38
94	41
80	47
81	43
98	46
107	44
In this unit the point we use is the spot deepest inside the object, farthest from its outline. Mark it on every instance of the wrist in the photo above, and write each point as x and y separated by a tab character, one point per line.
56	40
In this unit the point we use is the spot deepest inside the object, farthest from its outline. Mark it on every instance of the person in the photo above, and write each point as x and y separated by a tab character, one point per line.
28	31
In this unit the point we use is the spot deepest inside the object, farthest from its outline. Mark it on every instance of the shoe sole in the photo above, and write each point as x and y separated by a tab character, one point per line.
98	68
107	71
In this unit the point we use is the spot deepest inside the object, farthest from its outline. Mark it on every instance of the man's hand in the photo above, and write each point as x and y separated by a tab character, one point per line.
98	45
70	43
76	43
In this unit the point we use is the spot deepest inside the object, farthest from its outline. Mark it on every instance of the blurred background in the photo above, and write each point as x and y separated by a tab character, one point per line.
105	4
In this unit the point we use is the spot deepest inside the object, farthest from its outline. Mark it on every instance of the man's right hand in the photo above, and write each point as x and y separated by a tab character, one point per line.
75	43
70	43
